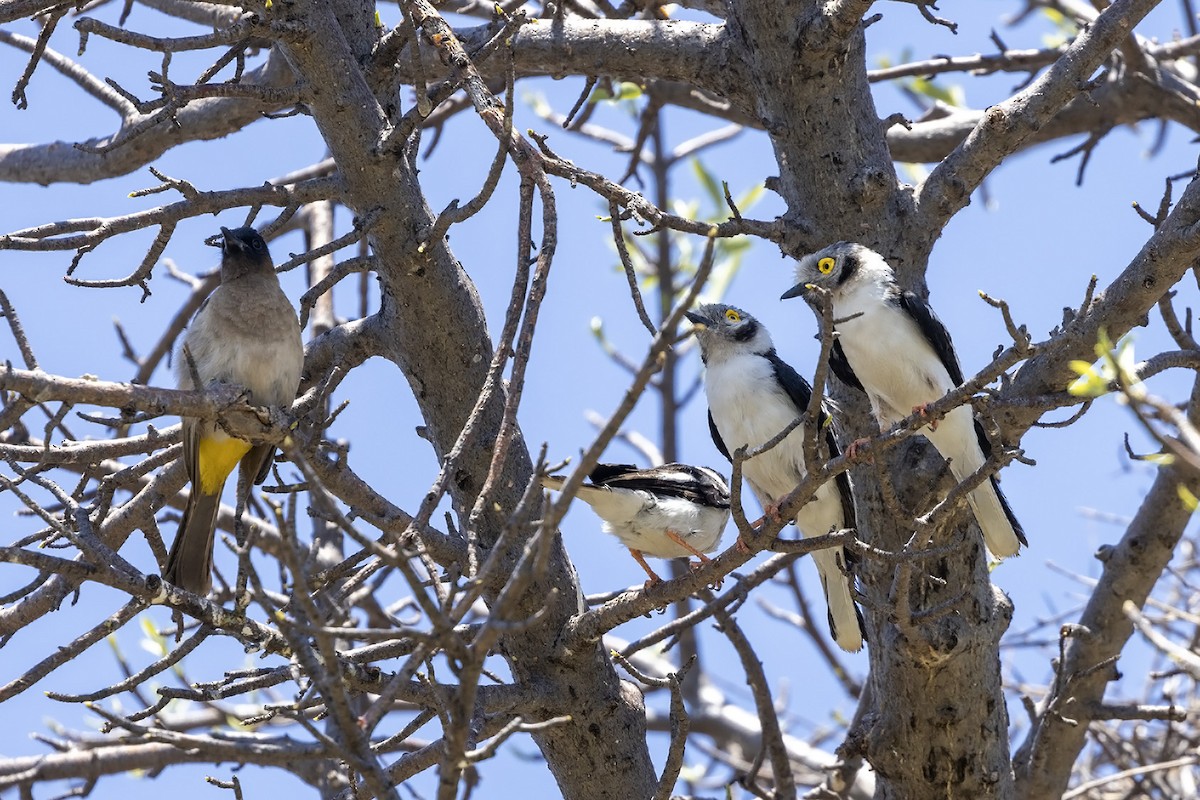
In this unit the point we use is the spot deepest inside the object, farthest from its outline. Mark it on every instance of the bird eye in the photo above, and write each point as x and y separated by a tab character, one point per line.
825	265
732	315
259	244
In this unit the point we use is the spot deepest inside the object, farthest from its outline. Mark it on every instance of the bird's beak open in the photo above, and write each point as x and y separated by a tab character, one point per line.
230	240
799	290
697	319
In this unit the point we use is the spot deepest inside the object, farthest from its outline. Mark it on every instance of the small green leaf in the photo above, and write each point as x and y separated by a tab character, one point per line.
1127	369
916	173
687	208
751	196
628	91
709	182
1190	502
624	91
1090	383
537	102
951	95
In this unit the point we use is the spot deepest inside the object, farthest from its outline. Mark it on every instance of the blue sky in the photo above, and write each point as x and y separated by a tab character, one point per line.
1035	244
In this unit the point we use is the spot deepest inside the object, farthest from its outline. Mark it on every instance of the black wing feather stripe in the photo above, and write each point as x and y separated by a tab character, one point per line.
842	480
934	332
1008	512
717	440
792	382
800	392
670	480
601	474
986	448
841	367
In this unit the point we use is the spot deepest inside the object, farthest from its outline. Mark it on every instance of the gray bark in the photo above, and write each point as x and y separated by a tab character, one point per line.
433	328
938	716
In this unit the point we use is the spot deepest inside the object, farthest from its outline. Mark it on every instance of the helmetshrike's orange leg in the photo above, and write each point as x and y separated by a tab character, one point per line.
677	539
637	556
920	411
852	448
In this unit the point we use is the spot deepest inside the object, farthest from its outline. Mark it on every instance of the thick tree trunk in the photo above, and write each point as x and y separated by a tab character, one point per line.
940	725
811	95
433	320
940	722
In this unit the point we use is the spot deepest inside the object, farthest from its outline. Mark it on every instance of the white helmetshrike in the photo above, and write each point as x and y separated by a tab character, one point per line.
752	396
891	345
672	511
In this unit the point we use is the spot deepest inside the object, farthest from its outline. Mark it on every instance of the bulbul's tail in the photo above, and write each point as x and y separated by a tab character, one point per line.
189	564
1001	532
845	622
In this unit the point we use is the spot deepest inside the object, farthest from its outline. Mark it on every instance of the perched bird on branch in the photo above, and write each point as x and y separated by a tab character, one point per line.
891	345
753	395
672	511
246	333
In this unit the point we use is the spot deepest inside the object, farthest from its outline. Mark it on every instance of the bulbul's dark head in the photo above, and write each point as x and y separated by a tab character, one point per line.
243	252
722	329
